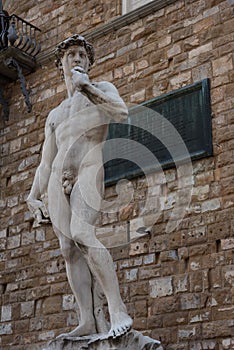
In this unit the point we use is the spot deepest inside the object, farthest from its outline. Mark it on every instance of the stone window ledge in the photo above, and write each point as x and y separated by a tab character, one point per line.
115	24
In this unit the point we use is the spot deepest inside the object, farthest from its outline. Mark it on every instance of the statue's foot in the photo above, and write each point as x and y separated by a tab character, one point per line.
80	331
121	323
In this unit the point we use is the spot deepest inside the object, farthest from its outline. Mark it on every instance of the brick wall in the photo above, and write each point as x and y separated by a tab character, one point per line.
178	286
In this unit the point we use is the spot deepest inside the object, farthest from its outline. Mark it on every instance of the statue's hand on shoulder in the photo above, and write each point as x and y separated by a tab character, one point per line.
38	208
79	77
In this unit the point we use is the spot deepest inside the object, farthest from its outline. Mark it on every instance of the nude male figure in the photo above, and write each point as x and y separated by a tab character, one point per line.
71	173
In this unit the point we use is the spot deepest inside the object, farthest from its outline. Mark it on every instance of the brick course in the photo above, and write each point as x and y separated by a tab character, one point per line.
178	286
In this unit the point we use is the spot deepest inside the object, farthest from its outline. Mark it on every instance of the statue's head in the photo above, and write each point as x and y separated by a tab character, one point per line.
74	40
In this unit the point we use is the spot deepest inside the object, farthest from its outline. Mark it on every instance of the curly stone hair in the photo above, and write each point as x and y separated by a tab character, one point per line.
75	39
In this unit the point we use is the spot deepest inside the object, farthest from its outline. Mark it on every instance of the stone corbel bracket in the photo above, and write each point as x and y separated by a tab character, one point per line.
14	64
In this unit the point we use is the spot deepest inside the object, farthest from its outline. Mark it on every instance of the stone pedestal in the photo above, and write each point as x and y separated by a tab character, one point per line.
130	341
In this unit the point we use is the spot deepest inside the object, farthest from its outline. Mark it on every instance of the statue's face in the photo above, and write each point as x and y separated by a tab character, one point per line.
75	56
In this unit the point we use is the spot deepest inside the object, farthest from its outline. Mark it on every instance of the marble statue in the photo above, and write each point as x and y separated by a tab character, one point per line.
68	188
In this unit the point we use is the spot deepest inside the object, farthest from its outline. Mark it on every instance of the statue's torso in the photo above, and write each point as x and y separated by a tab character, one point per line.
79	128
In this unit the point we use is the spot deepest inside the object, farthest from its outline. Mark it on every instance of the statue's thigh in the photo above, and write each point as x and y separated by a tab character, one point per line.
83	220
86	199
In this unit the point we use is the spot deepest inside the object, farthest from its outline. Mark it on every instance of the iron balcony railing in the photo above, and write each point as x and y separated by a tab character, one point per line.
19	33
19	46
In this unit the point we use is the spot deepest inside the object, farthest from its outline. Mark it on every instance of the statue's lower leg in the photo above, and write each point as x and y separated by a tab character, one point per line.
79	278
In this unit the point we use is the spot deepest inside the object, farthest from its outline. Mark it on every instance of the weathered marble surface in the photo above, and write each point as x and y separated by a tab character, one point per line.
71	176
130	341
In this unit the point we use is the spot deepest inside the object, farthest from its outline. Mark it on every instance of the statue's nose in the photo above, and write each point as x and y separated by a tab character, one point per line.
77	58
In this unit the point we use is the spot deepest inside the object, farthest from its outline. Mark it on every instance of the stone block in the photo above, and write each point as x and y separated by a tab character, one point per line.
194	236
182	33
203	25
222	65
21	326
178	318
188	332
197	281
149	272
35	324
175	50
200	193
199	316
56	321
131	275
19	177
167	335
222	313
204	178
3	233
181	80
137	248
118	73
5	328
206	344
210	205
228	343
130	341
13	242
138	96
6	313
40	235
190	301
15	145
72	319
199	50
228	275
142	65
227	243
12	201
161	287
128	69
170	255
3	243
68	302
168	304
149	259
218	230
215	329
181	283
164	41
140	309
44	336
139	289
52	305
28	162
28	238
195	264
27	309
140	323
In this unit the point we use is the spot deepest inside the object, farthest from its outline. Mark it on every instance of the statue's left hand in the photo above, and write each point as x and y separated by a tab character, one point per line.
80	78
39	211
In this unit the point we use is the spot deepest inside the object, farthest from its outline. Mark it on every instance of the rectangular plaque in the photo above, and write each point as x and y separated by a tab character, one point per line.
160	132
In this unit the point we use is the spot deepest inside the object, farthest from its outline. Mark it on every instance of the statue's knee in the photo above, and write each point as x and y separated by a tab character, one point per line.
67	250
77	237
